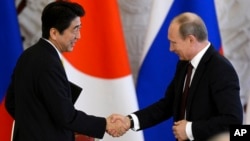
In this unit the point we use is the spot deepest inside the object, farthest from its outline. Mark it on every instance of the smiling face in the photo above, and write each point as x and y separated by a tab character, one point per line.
66	40
182	47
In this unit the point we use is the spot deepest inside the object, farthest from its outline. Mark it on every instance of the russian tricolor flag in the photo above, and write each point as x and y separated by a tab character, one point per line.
158	63
11	48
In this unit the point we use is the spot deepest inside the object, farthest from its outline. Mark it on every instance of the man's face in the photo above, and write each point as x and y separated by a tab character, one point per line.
177	44
67	39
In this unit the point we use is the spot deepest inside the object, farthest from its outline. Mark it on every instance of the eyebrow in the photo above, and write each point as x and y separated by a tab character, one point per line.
78	26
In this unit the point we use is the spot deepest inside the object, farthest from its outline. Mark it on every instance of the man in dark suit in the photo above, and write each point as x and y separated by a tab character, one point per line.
213	101
39	97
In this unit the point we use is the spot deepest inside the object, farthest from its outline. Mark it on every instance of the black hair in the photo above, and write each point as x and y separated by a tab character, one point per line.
59	15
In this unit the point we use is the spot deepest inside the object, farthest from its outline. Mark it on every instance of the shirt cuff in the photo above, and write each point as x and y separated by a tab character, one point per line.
189	131
136	122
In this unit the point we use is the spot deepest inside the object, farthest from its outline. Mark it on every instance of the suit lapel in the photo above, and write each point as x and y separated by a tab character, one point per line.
201	68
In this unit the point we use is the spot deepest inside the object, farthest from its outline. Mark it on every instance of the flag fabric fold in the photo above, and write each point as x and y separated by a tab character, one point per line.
11	48
158	63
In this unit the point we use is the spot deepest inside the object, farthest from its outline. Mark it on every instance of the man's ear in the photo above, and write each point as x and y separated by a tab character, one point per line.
191	38
53	32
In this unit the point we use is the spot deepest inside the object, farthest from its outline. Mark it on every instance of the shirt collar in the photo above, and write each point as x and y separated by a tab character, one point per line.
197	58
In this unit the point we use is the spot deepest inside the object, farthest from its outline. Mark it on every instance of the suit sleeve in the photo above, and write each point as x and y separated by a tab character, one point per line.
162	109
155	113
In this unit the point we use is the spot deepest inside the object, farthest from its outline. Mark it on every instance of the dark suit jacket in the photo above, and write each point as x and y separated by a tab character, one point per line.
39	99
213	102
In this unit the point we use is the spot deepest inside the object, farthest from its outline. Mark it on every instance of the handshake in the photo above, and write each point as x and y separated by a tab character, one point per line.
117	125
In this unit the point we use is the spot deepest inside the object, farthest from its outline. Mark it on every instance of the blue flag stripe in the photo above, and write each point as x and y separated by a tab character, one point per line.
10	41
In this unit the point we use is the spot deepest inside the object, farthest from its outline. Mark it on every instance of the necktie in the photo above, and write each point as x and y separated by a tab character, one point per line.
185	92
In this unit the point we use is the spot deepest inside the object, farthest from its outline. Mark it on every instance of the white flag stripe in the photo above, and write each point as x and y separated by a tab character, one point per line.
159	11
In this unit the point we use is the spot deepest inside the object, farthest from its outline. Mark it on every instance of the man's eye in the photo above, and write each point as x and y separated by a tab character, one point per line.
77	29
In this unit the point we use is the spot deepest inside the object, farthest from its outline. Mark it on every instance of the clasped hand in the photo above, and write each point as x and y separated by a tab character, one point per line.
117	125
179	130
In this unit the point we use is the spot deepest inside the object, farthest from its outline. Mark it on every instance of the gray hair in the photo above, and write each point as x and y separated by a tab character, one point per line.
192	24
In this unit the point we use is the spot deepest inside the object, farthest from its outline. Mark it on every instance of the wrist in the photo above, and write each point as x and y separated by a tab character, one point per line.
131	121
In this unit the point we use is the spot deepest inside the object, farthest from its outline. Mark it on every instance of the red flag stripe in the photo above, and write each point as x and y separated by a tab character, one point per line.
5	128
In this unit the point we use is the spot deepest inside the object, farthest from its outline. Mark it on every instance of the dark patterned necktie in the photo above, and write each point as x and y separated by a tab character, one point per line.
185	92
